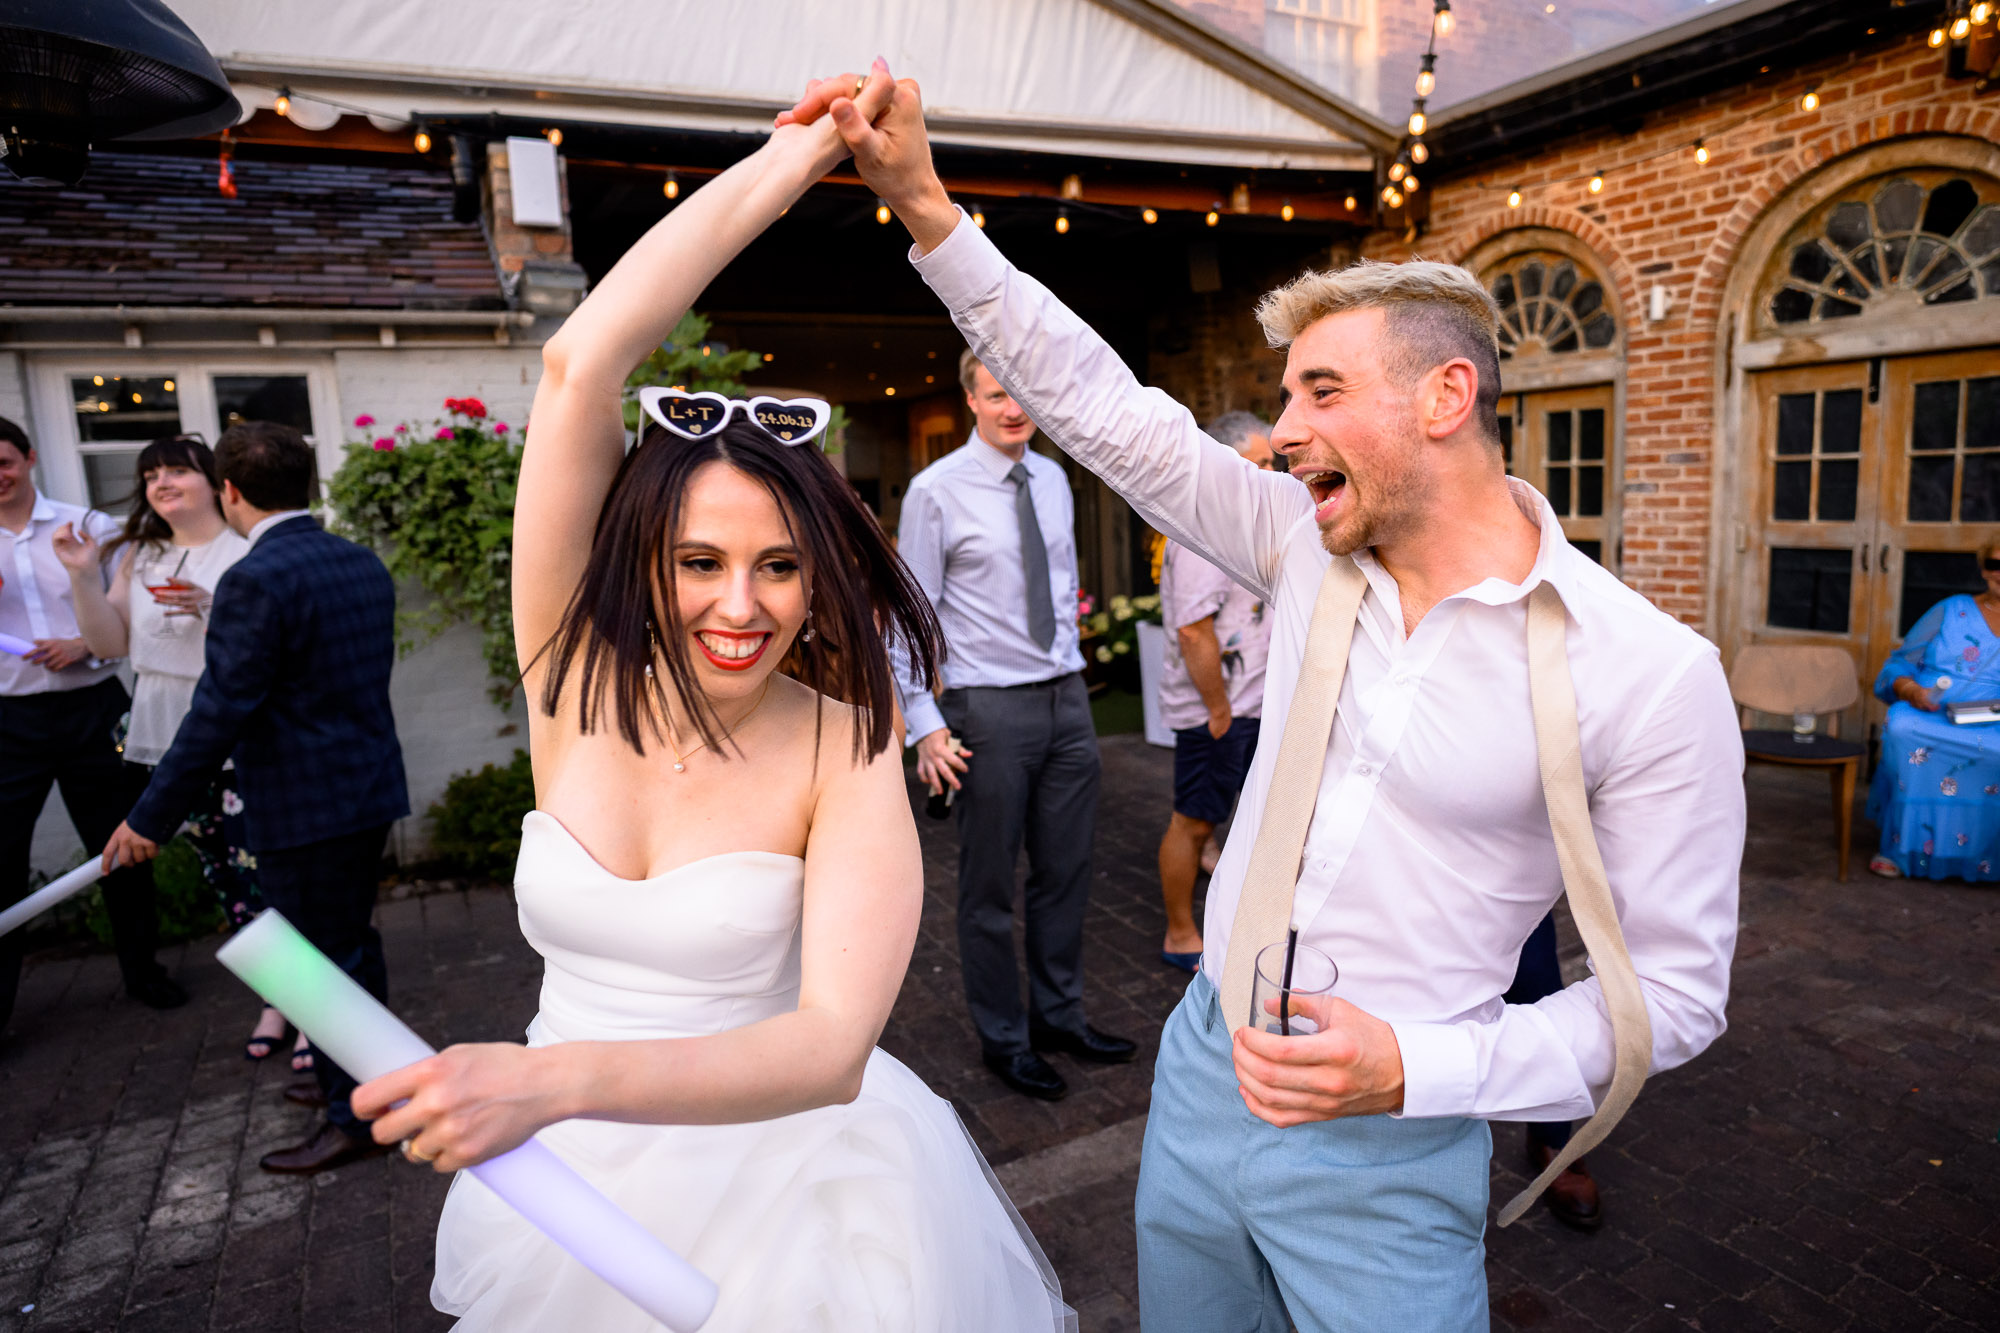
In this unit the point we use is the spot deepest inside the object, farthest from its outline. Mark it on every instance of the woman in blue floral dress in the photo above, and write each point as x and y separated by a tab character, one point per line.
1936	793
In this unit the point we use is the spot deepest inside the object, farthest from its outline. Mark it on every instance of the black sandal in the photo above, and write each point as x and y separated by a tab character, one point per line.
270	1045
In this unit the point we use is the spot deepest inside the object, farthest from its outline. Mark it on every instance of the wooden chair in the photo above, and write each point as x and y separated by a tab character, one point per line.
1793	679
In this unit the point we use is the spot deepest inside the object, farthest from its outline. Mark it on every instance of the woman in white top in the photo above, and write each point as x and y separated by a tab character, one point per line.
175	549
722	872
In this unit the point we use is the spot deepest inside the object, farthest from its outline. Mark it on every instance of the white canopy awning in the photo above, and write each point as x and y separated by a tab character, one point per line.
1135	79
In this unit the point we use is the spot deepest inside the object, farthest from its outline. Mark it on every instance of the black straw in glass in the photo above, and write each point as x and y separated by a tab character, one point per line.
1285	984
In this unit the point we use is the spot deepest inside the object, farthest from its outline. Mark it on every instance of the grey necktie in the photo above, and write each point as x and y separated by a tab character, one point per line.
1034	560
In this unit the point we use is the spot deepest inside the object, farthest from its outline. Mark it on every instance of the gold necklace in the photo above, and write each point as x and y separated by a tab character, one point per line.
681	758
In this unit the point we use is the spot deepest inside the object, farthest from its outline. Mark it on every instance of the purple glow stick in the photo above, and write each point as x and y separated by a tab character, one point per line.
51	893
361	1036
18	647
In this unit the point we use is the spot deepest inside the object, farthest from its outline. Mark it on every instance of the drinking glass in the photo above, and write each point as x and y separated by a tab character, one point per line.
1313	973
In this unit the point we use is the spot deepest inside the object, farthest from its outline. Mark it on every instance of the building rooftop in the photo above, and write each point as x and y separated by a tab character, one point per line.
154	230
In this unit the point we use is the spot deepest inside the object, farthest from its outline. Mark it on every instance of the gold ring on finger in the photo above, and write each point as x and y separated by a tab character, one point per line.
410	1153
860	82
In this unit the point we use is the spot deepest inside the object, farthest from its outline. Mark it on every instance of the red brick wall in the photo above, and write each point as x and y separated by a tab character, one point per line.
1672	222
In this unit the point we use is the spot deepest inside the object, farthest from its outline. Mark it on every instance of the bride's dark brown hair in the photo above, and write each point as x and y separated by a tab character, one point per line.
859	592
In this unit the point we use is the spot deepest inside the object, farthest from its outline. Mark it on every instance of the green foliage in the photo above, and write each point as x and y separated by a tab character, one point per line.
687	360
476	824
186	905
1115	631
438	506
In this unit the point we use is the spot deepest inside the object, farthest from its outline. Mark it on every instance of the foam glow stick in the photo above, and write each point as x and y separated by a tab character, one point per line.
368	1041
51	893
18	647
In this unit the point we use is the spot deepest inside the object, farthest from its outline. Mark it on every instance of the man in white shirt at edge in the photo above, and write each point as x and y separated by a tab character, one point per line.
988	531
1343	1177
1211	697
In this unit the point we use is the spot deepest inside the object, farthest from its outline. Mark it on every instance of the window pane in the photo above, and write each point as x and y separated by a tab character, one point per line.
1595	550
1507	441
1559	435
125	407
1930	490
1934	419
1982	413
110	476
1979	496
1931	576
1791	493
279	398
1839	480
1810	589
1590	433
1840	422
1795	423
1590	492
1559	490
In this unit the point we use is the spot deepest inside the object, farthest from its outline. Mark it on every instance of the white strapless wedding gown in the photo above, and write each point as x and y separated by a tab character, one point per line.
876	1215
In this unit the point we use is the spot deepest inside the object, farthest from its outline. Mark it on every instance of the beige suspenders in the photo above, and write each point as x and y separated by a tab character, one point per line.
1263	912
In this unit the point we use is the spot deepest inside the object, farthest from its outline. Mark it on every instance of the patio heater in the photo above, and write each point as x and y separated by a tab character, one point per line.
78	72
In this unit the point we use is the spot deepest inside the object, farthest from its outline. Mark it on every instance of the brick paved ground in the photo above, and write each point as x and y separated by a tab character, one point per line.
1831	1164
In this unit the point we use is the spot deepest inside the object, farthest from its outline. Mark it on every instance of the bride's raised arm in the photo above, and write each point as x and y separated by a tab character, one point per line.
576	433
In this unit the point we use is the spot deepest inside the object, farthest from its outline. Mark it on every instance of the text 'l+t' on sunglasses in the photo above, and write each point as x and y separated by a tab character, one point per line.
694	415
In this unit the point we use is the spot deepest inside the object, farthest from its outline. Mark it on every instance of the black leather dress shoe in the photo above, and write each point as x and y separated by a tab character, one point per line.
157	992
328	1148
1089	1044
1028	1074
305	1092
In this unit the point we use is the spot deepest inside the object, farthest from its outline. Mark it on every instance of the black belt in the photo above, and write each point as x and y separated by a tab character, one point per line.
1024	685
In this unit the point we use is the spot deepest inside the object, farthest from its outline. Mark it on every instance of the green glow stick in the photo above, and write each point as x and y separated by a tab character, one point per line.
361	1036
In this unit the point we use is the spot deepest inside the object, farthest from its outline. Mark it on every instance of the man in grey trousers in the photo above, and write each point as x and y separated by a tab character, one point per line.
989	530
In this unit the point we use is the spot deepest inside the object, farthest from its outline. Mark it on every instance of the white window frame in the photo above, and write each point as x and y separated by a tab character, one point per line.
60	449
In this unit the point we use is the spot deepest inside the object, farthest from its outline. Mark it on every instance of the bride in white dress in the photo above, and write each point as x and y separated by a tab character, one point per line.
722	874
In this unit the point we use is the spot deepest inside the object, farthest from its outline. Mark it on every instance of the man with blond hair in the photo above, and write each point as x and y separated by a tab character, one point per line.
1406	825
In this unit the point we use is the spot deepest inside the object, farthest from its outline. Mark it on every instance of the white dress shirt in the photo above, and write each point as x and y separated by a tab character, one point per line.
960	536
1429	858
35	600
269	521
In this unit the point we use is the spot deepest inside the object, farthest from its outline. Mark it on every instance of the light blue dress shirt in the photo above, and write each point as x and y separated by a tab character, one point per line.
961	540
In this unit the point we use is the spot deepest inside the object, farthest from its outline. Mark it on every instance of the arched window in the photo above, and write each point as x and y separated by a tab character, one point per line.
1549	306
1922	237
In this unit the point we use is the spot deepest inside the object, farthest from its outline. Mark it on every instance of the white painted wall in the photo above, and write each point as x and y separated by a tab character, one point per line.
410	383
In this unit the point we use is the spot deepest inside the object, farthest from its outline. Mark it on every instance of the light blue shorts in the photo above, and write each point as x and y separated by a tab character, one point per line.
1358	1224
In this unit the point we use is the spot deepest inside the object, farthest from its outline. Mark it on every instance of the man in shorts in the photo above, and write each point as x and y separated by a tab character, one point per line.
1211	694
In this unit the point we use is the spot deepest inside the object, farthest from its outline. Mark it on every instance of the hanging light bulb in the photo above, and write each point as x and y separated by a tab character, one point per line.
1442	21
1960	29
1062	222
422	142
1810	102
1420	153
1396	171
1417	121
1395	198
1388	193
1148	216
1286	211
1350	203
1427	79
979	217
1981	12
1597	182
1700	153
1937	37
1513	198
673	186
554	136
1212	218
283	104
882	212
1410	184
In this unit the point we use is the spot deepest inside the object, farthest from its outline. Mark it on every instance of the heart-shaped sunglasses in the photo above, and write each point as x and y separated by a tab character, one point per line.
694	415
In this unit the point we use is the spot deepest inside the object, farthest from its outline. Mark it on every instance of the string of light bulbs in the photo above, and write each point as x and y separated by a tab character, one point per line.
1414	152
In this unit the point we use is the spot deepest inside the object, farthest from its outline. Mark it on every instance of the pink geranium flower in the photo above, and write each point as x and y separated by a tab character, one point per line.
499	428
445	433
363	422
385	443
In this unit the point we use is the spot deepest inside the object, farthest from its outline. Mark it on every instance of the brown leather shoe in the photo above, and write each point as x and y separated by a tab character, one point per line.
1571	1196
328	1148
305	1092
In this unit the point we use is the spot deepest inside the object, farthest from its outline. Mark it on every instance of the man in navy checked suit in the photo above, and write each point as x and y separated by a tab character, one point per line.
300	642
